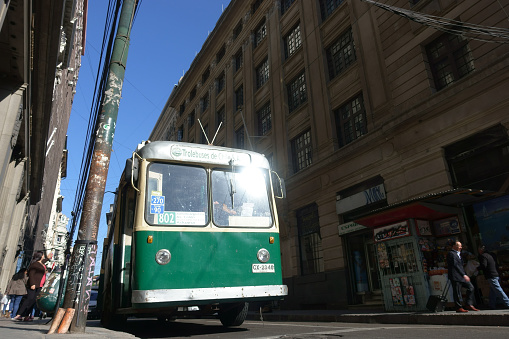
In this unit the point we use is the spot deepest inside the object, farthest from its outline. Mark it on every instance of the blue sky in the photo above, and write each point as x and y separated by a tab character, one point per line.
166	36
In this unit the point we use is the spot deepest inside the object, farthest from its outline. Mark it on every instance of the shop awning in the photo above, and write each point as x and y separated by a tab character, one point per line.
432	206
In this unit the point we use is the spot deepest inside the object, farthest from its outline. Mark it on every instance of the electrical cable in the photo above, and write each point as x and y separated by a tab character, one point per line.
464	29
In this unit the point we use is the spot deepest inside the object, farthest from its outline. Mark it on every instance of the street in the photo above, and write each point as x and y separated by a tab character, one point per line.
212	328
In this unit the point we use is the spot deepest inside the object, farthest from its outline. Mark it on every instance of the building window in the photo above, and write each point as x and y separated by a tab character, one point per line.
302	151
239	137
328	6
239	98
285	5
220	81
220	54
180	133
450	59
205	75
480	161
310	241
59	239
190	119
237	30
205	103
292	42
341	54
192	95
256	5
204	136
182	108
238	60
351	121
220	116
262	73
260	33
297	93
264	118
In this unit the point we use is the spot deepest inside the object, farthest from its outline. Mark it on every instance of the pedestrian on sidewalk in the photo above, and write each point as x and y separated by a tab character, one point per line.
459	279
489	267
16	290
3	303
36	278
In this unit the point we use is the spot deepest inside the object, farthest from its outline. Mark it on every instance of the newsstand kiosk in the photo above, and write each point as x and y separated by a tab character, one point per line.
411	258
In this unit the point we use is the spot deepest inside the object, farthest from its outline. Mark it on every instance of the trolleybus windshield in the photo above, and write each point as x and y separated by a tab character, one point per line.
240	198
177	195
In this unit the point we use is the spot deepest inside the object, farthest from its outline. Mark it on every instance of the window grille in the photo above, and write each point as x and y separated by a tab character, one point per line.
302	151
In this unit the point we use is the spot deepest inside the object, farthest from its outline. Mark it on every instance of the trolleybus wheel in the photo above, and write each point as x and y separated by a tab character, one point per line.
233	314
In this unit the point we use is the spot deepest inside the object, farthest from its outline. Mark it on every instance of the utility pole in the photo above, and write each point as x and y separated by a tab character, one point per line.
81	269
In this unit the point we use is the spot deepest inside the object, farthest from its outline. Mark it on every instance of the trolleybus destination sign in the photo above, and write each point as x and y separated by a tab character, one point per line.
215	156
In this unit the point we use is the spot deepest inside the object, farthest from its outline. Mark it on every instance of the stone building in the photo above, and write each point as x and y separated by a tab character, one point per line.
388	125
41	43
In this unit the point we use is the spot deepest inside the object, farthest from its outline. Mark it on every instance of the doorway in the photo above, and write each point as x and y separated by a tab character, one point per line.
365	284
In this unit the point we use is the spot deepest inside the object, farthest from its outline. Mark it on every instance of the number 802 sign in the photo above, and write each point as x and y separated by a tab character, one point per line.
166	218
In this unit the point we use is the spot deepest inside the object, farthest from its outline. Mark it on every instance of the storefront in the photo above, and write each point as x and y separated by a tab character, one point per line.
412	239
359	247
492	224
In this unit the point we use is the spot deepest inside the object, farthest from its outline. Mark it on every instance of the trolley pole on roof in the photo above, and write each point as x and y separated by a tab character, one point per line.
81	269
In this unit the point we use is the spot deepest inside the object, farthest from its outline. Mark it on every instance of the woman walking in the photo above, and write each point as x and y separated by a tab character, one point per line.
36	278
16	290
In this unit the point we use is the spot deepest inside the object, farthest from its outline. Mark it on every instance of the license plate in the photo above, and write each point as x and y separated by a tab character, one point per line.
263	268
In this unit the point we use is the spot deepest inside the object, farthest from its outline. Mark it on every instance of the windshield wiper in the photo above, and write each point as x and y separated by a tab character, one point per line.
232	184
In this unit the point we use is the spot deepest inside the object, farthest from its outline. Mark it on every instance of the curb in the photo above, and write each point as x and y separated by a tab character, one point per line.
495	318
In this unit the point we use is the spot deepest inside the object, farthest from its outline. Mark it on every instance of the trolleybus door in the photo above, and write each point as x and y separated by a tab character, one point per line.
126	231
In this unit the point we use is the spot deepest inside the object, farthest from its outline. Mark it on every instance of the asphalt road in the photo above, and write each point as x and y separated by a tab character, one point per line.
211	328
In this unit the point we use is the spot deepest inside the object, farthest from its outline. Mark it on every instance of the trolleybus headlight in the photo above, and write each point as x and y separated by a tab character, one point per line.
263	255
163	257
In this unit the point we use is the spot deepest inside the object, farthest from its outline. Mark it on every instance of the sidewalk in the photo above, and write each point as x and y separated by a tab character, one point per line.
481	318
37	329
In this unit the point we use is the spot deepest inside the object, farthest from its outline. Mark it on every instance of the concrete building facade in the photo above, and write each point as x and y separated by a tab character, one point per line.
382	121
41	43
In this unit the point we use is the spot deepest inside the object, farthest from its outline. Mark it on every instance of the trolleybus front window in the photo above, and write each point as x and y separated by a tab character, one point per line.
241	198
176	195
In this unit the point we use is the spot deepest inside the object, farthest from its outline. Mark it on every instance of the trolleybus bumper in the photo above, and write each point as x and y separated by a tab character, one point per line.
216	293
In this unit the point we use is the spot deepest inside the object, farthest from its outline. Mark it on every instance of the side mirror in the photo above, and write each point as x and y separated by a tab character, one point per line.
131	170
278	186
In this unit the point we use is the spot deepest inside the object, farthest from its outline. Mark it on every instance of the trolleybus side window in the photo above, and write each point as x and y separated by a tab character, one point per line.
241	197
176	195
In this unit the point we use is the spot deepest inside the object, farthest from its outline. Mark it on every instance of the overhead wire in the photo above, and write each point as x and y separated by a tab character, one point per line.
456	27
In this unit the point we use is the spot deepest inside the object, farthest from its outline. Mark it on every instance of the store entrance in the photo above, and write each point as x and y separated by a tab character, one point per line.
373	278
364	282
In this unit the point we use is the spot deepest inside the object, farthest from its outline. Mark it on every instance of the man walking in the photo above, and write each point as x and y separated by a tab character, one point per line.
489	268
459	279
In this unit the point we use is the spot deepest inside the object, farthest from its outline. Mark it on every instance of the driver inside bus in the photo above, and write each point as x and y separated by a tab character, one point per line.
222	213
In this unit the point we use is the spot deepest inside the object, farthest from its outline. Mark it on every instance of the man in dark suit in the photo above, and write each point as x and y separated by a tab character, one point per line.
459	279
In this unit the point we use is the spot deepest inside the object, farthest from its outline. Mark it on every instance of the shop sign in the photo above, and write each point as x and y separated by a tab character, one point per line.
349	227
364	198
393	231
445	227
423	227
492	217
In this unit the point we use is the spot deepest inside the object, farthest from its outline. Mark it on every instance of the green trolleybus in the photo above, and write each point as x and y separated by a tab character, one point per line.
194	231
